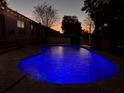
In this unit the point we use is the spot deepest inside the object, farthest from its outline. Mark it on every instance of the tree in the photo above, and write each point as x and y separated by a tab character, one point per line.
98	11
72	28
3	3
71	25
88	25
108	17
45	14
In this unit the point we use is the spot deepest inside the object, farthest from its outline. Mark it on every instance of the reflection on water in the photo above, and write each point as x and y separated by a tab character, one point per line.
68	65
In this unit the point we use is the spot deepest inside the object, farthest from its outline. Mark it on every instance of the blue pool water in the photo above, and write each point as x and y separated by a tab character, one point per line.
68	65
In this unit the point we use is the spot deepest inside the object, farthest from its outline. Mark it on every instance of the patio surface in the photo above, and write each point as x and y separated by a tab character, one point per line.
12	81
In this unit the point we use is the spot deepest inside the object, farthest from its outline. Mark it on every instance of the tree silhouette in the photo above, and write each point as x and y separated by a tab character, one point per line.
72	28
45	14
108	17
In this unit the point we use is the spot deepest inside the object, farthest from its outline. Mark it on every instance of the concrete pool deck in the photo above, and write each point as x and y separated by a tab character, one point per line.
12	80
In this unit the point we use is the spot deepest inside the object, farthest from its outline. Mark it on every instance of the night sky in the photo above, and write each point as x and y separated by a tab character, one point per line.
64	7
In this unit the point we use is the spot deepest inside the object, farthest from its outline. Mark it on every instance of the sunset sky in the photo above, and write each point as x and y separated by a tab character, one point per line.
64	7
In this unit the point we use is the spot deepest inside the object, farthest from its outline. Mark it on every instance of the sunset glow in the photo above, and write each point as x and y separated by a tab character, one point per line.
85	27
57	27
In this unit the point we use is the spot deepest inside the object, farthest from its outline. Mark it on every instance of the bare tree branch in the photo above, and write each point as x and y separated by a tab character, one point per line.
45	14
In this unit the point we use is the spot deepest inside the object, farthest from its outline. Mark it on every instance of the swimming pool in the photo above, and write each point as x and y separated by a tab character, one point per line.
68	65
